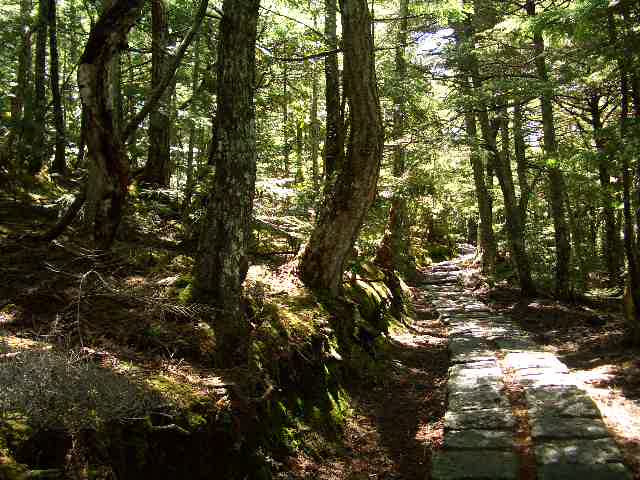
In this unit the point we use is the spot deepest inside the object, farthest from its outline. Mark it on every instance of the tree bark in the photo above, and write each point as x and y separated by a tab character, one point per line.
555	177
59	162
334	141
314	132
520	149
395	249
156	172
21	102
321	262
611	241
39	141
109	167
221	262
188	190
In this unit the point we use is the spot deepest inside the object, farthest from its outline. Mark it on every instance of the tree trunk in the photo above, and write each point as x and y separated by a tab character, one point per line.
109	168
59	162
188	190
221	263
21	102
555	177
156	172
314	132
611	241
285	122
630	245
322	260
521	163
299	145
395	247
334	141
39	141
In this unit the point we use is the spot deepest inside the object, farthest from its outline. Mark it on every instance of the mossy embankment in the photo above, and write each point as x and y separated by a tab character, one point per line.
79	411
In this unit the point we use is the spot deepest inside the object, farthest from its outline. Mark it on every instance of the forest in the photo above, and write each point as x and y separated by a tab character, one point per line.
338	239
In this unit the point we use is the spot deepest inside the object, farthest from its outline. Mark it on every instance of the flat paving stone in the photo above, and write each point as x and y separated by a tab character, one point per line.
474	465
560	428
603	450
479	439
517	344
562	401
573	471
477	399
487	419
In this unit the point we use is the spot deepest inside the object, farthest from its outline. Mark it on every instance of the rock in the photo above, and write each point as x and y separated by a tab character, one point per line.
571	471
477	399
567	401
603	450
486	419
479	439
559	428
474	465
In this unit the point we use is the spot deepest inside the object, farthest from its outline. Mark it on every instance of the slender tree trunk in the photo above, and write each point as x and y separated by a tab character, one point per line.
486	249
334	141
299	145
314	132
395	249
156	170
39	140
611	241
521	163
188	190
21	102
59	162
285	121
109	167
221	263
630	245
322	260
556	181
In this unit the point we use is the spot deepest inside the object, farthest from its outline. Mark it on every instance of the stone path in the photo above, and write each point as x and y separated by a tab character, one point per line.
489	353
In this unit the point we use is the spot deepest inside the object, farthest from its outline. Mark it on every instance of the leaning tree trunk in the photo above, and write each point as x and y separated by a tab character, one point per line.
156	171
322	260
221	263
334	141
109	169
555	177
59	162
520	149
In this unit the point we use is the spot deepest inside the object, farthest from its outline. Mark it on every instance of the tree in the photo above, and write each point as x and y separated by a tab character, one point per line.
221	263
59	161
321	262
156	171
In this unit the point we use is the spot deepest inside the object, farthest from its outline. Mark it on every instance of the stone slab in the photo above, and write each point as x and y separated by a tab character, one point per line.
487	419
563	402
477	399
474	465
479	439
561	428
572	471
603	450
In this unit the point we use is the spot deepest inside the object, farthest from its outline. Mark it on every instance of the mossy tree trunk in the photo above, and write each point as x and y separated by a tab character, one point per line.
221	263
321	263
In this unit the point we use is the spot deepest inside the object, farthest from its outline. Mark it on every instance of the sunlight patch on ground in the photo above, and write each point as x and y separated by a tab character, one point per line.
620	414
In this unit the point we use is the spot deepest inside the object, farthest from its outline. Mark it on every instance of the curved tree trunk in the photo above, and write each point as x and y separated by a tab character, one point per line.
109	167
321	262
